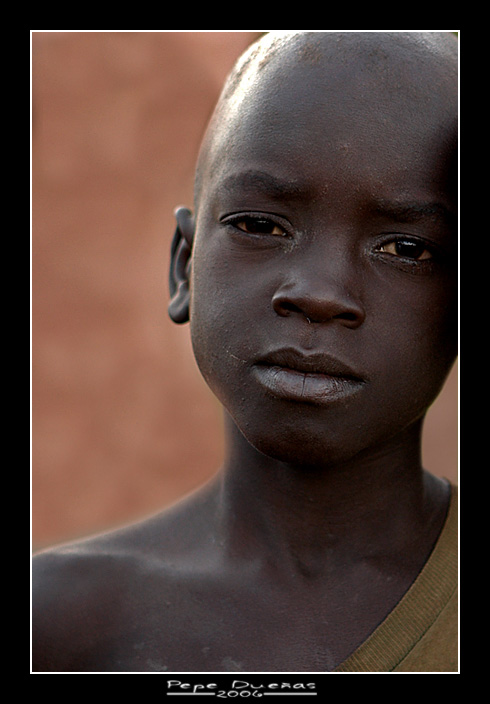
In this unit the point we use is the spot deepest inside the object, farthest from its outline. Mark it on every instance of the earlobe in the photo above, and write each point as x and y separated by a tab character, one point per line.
180	266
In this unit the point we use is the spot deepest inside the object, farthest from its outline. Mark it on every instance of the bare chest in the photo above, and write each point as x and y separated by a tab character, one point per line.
207	626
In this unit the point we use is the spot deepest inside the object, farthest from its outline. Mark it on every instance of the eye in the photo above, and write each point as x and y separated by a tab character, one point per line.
407	248
258	226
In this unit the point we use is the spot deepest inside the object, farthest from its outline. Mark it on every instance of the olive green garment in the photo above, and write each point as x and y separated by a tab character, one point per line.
421	633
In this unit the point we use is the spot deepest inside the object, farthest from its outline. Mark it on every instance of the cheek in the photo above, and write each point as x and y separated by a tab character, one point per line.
433	319
418	337
216	329
228	302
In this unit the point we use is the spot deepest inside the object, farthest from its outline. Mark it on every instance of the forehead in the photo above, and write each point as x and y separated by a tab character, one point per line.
372	110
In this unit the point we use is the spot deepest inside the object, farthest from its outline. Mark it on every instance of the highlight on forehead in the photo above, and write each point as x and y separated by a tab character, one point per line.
369	48
417	62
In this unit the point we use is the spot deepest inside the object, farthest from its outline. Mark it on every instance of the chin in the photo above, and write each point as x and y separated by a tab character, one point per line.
296	448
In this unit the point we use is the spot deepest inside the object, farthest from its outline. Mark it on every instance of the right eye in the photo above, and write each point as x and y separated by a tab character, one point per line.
257	226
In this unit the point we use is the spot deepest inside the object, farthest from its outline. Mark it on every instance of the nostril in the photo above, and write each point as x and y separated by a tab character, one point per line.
286	307
317	309
353	317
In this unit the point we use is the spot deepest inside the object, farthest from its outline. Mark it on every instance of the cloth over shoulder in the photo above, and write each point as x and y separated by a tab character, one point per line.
421	633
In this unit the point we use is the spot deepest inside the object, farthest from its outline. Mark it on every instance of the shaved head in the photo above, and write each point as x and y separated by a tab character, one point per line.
408	73
384	54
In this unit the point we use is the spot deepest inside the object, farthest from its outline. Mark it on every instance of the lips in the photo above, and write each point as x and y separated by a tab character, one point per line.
311	378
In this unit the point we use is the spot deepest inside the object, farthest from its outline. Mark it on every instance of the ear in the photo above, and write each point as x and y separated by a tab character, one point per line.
180	266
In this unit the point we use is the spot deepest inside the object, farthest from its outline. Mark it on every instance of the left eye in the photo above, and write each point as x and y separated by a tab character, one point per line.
259	226
407	248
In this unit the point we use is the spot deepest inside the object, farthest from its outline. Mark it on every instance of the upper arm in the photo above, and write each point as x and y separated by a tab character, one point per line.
47	617
68	608
54	635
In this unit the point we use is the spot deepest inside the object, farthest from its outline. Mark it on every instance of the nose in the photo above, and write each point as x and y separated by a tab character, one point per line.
320	297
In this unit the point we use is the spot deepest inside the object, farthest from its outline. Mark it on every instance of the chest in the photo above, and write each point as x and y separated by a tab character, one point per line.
207	626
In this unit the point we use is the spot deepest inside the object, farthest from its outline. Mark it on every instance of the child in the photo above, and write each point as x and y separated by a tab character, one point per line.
318	272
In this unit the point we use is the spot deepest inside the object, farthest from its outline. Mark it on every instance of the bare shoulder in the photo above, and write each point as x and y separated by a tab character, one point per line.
87	596
70	598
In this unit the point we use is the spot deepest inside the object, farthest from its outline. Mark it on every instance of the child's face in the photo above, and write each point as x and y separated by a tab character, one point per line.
323	311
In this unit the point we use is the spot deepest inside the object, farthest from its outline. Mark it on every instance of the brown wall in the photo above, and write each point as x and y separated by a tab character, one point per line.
122	422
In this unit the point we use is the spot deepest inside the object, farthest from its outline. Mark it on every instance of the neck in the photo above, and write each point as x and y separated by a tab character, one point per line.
380	501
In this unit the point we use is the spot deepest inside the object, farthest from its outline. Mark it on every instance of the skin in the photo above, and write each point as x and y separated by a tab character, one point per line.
324	224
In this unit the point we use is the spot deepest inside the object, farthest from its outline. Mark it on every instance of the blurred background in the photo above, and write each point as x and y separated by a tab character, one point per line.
123	424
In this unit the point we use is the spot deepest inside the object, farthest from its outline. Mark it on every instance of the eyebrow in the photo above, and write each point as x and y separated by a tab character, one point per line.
254	181
411	212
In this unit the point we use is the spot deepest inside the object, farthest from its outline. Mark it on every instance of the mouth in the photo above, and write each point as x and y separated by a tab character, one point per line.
315	378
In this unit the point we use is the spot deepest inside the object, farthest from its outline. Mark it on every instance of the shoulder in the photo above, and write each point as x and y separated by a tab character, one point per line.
86	594
73	592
